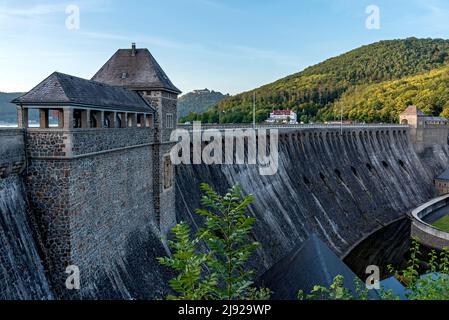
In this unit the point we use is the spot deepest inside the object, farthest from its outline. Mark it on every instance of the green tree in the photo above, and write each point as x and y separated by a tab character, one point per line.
221	272
192	282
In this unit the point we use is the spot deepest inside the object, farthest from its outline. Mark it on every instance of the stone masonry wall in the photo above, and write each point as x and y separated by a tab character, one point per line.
167	197
47	185
111	222
97	211
96	140
164	199
58	143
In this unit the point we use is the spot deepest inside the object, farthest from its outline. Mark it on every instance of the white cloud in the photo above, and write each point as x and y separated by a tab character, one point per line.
13	17
32	11
210	49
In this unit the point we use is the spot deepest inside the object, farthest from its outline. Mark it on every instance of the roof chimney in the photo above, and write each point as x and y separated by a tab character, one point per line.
133	49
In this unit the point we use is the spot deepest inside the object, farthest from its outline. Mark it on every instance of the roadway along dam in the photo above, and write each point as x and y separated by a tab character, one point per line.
342	186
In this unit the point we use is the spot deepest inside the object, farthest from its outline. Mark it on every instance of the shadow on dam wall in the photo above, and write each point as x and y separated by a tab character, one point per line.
22	273
341	187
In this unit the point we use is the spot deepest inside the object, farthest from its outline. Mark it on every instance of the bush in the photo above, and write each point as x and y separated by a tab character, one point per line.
220	273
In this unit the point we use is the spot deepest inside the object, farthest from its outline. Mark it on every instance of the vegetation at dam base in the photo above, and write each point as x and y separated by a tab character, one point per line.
425	278
220	272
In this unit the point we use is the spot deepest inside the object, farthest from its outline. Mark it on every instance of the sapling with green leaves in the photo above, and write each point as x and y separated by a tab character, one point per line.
423	281
192	282
222	271
433	284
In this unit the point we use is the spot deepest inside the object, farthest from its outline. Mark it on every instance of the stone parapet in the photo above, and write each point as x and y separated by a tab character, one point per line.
426	233
54	143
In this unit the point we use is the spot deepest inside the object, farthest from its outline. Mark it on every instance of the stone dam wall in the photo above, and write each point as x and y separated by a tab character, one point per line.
341	187
91	191
96	211
22	273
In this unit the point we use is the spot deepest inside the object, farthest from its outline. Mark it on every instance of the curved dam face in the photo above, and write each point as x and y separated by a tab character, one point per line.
22	273
342	186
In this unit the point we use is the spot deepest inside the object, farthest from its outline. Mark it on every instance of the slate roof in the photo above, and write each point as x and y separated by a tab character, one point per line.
135	71
412	110
309	264
65	90
444	175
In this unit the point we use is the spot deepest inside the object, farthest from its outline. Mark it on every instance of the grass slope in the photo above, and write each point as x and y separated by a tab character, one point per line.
442	224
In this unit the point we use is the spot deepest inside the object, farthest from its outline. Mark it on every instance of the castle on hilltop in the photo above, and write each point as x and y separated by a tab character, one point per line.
104	168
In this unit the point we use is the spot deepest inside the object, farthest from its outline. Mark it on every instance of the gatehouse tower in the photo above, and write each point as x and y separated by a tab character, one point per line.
99	177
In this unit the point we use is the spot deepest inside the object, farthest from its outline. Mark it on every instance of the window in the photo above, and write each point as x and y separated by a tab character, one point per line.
169	121
141	120
149	120
78	118
95	119
168	173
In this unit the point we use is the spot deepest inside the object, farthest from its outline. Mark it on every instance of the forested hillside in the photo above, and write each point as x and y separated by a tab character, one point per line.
315	92
8	110
384	101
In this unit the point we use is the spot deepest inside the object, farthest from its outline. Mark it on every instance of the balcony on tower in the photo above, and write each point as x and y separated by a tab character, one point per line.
79	116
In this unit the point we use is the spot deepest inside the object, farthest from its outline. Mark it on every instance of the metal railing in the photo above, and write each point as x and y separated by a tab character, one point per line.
295	126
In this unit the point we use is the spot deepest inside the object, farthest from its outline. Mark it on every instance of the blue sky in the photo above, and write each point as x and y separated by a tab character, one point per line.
225	45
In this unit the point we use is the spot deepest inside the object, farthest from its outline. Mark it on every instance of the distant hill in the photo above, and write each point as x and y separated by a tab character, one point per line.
8	111
198	101
317	92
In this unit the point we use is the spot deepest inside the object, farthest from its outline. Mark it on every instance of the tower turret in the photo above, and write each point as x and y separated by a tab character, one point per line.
99	175
425	131
137	70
